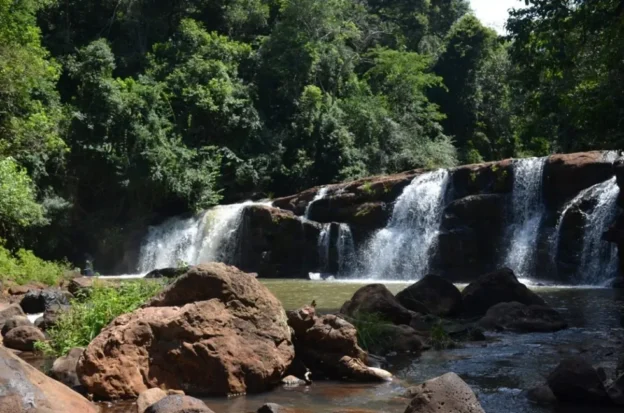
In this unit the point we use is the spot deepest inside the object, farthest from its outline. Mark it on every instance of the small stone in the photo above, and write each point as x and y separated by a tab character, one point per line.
14	322
178	404
23	338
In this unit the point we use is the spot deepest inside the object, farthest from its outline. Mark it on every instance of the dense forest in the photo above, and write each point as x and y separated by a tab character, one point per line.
117	113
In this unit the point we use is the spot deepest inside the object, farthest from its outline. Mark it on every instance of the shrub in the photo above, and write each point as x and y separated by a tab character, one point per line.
373	332
91	312
439	339
24	267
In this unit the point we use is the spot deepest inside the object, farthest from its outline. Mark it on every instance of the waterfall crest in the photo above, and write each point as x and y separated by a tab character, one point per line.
527	211
402	250
203	237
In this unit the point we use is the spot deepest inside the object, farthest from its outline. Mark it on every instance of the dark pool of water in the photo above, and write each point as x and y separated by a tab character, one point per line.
499	371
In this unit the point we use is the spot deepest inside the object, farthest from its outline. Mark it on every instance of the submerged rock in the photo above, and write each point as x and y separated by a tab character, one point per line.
576	381
64	368
377	299
274	408
23	338
178	404
25	389
38	301
500	286
444	394
438	295
522	318
215	330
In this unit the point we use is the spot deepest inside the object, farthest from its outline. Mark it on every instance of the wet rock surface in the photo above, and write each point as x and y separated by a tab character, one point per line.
25	389
38	301
178	404
64	368
215	330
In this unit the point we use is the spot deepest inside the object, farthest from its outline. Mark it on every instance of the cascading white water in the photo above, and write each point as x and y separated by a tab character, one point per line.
599	257
322	193
402	249
192	240
527	211
323	246
346	249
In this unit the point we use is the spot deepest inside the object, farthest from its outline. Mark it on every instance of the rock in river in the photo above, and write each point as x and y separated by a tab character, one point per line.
444	394
576	381
178	404
215	330
500	286
522	318
25	389
438	295
38	301
377	299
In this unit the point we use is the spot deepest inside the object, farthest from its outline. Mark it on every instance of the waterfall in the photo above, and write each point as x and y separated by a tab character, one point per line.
323	247
402	249
599	257
319	195
346	249
207	236
527	212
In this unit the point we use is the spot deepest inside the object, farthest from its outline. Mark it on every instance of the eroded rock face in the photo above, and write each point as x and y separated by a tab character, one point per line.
522	318
500	286
377	299
444	394
215	330
438	295
565	175
576	381
276	243
23	338
25	389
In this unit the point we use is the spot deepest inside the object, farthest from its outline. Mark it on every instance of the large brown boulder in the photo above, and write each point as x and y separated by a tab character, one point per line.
215	330
522	318
23	338
438	295
576	381
328	346
444	394
500	286
26	389
377	299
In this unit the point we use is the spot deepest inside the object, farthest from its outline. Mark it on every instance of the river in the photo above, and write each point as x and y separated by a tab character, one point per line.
498	370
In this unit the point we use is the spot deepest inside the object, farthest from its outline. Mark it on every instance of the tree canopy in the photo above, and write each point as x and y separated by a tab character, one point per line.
114	114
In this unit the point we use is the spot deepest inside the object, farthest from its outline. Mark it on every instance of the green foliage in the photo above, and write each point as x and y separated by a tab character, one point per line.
24	267
372	331
89	314
439	339
18	205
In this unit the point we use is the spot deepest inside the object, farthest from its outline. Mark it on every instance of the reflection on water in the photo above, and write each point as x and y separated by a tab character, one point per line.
499	371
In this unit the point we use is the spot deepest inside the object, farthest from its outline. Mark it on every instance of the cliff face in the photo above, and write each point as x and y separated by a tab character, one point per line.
474	229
